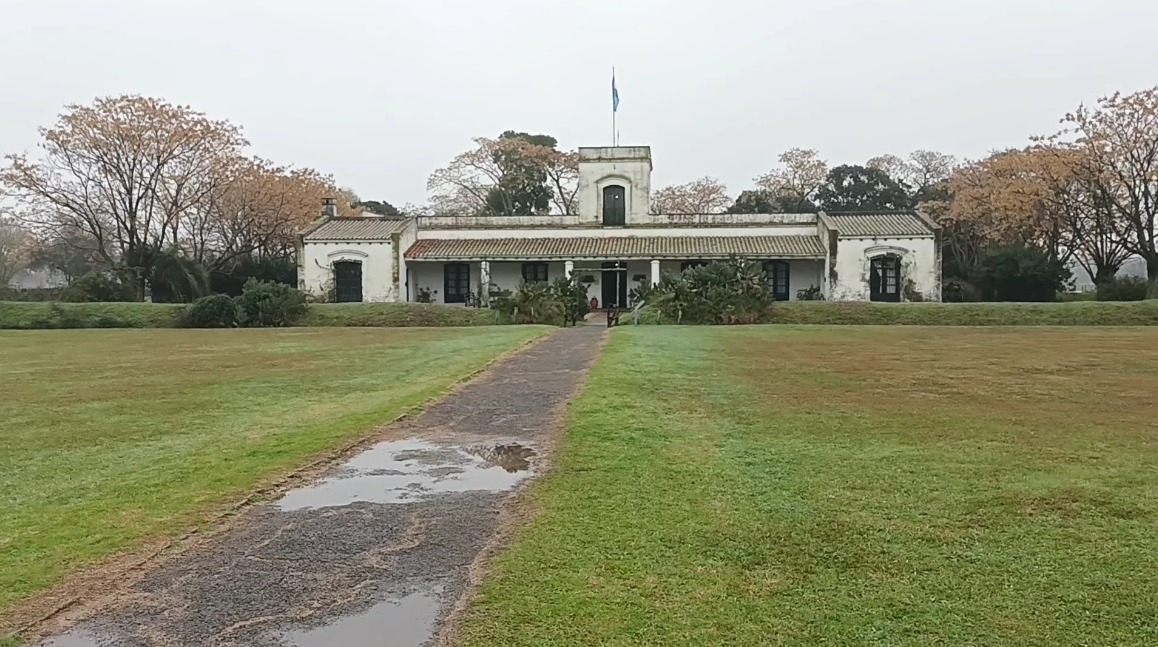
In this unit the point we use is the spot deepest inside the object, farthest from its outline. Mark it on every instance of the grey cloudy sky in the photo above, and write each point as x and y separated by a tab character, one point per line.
380	93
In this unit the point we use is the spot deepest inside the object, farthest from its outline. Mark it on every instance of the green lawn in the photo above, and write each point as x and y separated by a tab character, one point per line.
846	486
108	438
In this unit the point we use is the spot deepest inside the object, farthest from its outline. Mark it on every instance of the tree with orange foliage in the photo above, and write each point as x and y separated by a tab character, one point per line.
705	195
123	172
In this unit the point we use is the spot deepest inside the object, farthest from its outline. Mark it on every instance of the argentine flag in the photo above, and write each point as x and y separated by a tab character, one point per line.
614	95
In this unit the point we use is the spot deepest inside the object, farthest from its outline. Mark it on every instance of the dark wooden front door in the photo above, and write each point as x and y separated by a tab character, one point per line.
348	282
885	279
456	282
614	285
614	206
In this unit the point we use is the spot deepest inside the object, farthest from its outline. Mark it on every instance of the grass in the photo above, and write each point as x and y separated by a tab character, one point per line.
1135	313
397	315
110	438
845	486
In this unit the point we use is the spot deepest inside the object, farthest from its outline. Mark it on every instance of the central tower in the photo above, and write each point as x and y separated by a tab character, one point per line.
614	185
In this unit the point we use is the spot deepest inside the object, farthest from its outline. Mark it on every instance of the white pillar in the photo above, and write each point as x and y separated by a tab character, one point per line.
655	272
484	279
568	268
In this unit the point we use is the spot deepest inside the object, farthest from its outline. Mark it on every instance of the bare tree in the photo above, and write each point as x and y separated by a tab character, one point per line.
1119	139
799	177
705	195
123	172
506	176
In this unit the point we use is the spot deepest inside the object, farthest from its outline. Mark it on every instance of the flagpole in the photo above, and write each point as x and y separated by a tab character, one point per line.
613	110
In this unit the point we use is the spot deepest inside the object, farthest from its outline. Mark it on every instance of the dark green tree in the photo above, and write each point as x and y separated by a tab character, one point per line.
860	188
764	201
1019	273
524	189
380	207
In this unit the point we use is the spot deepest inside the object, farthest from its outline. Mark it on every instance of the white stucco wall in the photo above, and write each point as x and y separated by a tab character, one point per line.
628	166
918	264
316	272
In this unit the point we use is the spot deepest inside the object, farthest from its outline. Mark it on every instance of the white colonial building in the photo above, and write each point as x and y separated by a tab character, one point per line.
614	243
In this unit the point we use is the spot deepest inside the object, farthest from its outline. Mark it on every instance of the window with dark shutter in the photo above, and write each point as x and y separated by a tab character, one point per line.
534	272
456	282
777	276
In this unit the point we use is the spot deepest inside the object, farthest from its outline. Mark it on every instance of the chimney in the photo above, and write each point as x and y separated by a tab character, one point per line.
330	208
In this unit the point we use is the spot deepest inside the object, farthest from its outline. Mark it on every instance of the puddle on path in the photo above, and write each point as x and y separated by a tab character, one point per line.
407	622
404	471
74	638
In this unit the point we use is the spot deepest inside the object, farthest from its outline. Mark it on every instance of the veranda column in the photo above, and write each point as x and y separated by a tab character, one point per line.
484	279
568	268
655	272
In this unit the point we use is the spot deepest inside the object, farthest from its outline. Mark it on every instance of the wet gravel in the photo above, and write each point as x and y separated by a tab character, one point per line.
375	552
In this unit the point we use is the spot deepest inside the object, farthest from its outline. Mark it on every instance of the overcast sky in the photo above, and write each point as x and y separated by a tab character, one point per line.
381	92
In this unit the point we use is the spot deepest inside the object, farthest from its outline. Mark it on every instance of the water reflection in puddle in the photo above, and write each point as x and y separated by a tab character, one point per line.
407	622
409	470
75	638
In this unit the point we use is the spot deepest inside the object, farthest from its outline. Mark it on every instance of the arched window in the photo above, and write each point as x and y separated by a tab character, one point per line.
885	278
614	206
776	273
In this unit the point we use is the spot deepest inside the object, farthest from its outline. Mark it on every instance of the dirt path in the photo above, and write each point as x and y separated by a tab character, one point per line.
379	550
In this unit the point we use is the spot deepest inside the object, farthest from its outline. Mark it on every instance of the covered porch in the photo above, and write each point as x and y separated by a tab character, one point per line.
461	271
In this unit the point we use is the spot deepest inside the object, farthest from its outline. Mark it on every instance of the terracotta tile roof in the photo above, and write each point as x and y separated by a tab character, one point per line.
649	247
879	223
358	228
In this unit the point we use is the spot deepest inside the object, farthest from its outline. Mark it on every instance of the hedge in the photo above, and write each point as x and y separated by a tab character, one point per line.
37	315
33	315
1138	313
397	315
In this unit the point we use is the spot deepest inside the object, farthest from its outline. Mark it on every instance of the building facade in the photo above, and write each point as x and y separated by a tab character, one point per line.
615	243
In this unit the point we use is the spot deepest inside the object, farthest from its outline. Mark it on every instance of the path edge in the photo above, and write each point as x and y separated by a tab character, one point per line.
515	511
121	570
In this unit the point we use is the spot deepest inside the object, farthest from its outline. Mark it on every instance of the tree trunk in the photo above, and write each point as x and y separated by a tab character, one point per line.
1104	274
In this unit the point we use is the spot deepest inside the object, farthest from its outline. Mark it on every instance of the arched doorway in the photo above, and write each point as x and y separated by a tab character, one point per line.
885	278
614	206
348	281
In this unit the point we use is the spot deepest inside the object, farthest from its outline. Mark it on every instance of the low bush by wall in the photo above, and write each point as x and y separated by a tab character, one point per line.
397	315
1144	313
40	315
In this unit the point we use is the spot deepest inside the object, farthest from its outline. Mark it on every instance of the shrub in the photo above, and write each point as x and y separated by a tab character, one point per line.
533	303
270	305
231	279
214	311
728	292
98	287
1018	273
33	316
177	279
960	291
1126	288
